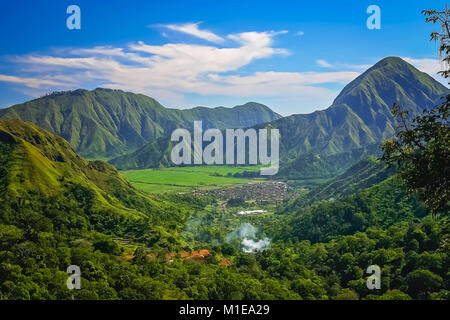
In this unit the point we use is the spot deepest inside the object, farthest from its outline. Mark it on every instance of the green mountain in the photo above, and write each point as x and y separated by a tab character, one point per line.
360	115
358	120
107	123
325	143
58	209
153	154
43	179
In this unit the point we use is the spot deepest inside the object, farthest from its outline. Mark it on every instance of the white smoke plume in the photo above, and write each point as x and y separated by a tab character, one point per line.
247	232
249	245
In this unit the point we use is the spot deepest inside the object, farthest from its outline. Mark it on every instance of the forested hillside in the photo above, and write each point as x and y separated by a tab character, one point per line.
58	209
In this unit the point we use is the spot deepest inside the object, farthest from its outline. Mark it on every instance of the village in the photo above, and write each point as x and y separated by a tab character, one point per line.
259	192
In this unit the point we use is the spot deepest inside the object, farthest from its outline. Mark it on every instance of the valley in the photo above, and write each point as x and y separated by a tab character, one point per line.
141	228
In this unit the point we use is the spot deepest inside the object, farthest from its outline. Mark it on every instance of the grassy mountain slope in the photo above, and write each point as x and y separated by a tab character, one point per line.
318	166
360	115
41	174
362	175
153	154
57	210
105	123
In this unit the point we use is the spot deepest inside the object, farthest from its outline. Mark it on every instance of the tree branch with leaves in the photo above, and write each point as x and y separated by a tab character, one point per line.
421	149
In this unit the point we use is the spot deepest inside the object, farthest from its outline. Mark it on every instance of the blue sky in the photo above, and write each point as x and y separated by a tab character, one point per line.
294	56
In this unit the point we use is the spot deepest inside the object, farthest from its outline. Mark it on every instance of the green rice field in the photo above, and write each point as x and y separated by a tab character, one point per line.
181	179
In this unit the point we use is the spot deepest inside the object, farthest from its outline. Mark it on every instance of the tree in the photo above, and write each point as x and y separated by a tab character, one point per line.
423	282
422	148
422	154
391	295
441	17
347	294
140	255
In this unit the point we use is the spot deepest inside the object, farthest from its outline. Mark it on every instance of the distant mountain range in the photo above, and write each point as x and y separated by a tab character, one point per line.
325	143
107	123
110	123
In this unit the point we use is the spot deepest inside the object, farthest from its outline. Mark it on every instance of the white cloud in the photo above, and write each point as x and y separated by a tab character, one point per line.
323	63
168	72
193	30
285	83
359	67
300	33
30	82
430	66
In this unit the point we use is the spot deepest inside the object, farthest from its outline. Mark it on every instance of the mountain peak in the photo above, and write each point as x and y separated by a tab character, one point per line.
395	64
391	80
391	60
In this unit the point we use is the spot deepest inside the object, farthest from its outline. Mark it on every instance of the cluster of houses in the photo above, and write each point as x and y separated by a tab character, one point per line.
260	192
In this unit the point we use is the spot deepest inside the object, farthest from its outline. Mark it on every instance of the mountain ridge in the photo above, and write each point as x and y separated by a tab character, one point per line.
40	168
360	115
357	121
106	122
